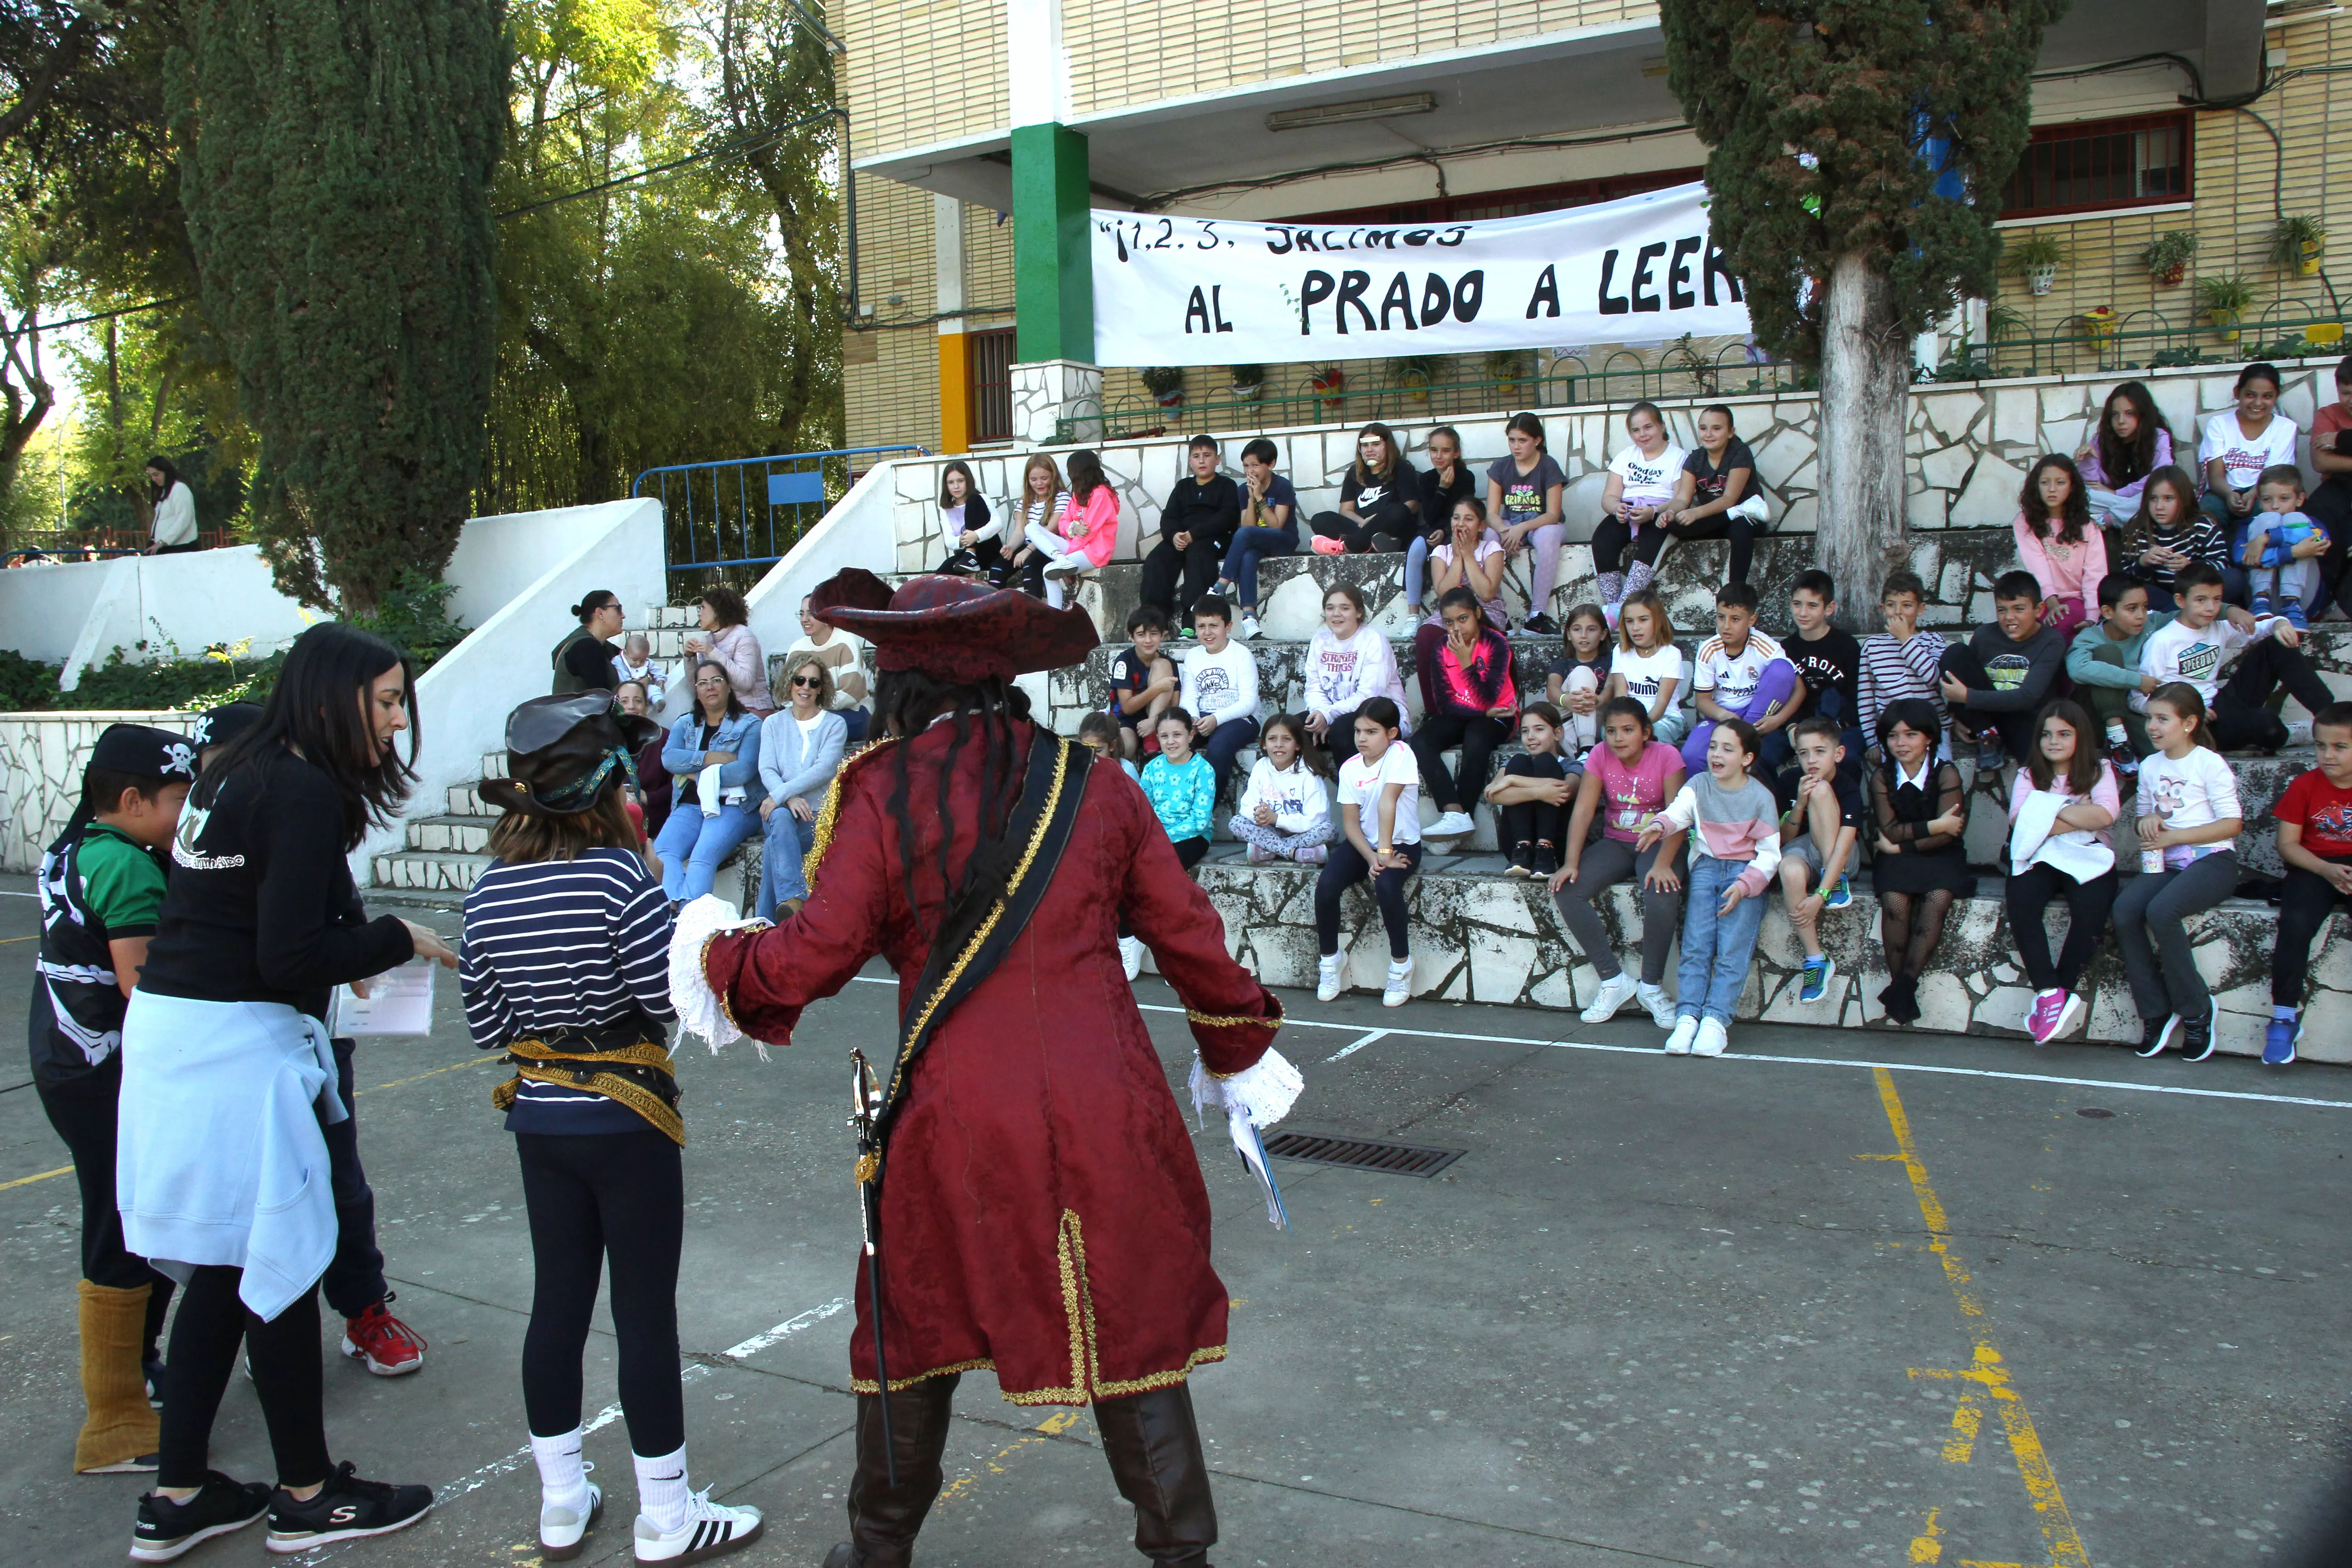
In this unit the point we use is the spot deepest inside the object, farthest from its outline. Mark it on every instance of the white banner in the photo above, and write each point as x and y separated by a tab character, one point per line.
1192	290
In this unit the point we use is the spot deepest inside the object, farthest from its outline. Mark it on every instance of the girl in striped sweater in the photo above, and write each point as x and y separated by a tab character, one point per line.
1734	828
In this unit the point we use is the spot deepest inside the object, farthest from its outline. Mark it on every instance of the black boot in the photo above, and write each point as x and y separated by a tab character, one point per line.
1154	1450
883	1519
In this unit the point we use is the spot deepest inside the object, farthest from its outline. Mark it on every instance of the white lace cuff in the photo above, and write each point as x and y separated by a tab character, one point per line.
1264	1092
699	1008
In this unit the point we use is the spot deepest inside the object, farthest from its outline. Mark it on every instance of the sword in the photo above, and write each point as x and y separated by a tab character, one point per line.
864	1098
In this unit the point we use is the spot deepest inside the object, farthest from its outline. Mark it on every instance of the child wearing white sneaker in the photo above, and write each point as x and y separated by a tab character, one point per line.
1572	682
2062	815
1817	837
1380	812
1735	848
1282	814
1628	779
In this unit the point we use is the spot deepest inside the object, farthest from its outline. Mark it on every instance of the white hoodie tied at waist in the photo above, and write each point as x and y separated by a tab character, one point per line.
221	1159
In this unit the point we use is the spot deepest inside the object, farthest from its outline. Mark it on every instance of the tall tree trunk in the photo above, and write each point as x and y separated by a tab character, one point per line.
1865	401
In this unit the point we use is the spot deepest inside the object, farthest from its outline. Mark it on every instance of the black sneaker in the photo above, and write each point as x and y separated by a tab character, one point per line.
1543	625
166	1529
1544	862
2196	1034
1517	863
345	1508
2156	1034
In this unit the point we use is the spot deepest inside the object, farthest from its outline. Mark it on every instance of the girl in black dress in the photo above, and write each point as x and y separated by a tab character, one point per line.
1921	812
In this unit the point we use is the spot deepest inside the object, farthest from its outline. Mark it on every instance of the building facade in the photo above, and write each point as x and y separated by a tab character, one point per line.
981	133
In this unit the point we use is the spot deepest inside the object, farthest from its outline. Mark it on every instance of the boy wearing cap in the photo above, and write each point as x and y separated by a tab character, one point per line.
101	886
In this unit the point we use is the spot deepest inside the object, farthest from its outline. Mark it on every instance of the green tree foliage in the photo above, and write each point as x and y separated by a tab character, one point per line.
1813	111
336	177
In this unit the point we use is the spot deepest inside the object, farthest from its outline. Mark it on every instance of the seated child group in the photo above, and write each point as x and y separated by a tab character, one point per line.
1779	760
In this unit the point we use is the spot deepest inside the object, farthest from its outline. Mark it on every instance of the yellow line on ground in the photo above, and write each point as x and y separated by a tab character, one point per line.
1988	1373
472	1061
5	941
1059	1422
28	1181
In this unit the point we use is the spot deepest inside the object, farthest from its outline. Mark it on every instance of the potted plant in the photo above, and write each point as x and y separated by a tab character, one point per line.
2099	324
2296	241
1507	368
2168	256
2036	258
1166	383
1326	384
1414	374
2224	300
1248	382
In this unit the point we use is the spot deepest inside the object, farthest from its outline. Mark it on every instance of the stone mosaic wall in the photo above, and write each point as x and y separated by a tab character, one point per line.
41	759
1491	939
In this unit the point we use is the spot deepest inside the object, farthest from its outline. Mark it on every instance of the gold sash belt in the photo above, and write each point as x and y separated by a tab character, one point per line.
592	1070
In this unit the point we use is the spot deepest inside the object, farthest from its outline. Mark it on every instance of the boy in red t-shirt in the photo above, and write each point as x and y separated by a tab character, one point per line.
2314	839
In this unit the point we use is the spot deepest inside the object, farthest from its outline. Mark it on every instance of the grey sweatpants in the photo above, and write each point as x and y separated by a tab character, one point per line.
1605	863
1256	833
2158	958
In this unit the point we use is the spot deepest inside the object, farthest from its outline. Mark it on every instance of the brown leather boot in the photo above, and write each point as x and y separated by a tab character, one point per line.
1154	1449
883	1519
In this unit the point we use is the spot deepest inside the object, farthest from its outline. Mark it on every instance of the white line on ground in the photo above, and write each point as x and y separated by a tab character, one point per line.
1353	1046
1295	1022
12	893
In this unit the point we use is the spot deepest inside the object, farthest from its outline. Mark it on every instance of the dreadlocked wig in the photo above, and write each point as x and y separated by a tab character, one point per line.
984	712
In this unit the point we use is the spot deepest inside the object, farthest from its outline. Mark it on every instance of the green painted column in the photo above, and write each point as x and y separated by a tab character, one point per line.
1053	267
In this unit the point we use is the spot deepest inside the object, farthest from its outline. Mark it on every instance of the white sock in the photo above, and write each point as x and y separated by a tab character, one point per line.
563	1482
661	1489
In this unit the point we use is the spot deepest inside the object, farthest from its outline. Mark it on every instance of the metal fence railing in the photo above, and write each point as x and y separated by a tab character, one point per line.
748	512
75	544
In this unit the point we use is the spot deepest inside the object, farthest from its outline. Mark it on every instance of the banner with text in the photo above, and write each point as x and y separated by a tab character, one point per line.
1192	290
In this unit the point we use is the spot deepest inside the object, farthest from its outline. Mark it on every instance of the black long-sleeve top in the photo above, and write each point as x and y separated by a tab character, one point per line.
1903	810
1209	512
261	906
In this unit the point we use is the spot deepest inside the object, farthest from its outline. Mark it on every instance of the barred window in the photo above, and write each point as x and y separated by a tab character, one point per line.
2101	163
992	385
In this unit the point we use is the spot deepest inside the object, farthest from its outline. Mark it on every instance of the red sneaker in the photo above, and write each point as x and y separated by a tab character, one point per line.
388	1347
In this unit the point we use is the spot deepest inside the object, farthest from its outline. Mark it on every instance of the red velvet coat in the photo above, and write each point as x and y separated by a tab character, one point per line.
1042	1211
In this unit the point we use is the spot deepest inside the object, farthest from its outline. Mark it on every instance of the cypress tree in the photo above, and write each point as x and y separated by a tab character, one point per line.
1821	116
336	168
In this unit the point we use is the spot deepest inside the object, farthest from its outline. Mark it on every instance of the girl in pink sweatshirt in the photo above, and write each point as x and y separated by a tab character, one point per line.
2056	542
1734	849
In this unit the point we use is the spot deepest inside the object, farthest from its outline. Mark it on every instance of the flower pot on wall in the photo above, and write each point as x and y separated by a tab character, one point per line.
2311	250
2038	279
2169	277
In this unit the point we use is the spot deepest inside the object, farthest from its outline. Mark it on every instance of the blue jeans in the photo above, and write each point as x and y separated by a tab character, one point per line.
1242	558
1716	948
780	862
691	846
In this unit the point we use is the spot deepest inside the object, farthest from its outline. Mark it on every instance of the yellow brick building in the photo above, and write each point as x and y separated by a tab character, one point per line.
976	128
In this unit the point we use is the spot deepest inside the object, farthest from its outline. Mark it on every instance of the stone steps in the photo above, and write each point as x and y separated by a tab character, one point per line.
1477	936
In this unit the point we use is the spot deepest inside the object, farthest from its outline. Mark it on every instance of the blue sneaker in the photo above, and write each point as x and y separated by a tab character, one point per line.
2280	1039
2262	603
2293	610
1840	896
1815	983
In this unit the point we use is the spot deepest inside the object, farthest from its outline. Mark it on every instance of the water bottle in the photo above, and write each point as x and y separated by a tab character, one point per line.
2151	860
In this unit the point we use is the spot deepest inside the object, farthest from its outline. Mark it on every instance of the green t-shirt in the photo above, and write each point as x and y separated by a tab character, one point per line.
121	885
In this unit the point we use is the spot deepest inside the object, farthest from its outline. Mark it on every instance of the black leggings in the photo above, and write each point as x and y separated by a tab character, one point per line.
1740	531
284	1355
1610	537
2305	901
1390	525
2088	904
1189	851
593	1195
1343	869
1477	734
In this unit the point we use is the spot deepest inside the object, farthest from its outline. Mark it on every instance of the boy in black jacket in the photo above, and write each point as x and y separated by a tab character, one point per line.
2001	678
1196	526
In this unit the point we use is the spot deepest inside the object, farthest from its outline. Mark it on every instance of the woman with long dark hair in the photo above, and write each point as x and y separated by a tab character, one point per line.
175	528
2131	443
965	525
225	1053
1028	1147
1379	500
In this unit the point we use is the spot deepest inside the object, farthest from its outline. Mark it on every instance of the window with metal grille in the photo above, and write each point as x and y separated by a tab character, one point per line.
992	384
2100	163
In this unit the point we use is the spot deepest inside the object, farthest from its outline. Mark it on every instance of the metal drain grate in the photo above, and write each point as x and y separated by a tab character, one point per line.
1362	1154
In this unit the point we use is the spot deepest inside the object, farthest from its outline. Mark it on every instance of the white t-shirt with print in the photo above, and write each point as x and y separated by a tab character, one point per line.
1734	677
1650	482
2245	459
2197	790
1646	673
1361	783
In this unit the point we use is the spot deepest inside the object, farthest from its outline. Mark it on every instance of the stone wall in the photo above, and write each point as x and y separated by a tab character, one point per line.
41	759
1970	447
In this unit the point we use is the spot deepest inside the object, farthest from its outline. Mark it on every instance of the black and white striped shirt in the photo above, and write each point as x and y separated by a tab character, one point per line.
561	944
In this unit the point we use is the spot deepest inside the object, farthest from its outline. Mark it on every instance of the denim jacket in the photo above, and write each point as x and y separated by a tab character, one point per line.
739	733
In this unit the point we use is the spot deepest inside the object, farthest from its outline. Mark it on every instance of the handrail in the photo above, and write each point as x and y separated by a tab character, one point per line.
741	529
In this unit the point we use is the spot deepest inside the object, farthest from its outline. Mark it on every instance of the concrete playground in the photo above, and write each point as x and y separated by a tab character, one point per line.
1874	1300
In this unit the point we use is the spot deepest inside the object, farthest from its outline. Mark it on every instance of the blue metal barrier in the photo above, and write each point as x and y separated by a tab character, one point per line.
750	512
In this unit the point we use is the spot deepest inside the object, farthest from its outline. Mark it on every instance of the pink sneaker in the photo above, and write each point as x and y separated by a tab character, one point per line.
1309	855
2049	1009
1259	855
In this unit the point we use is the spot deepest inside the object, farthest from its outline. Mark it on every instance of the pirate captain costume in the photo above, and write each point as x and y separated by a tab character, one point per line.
1031	1200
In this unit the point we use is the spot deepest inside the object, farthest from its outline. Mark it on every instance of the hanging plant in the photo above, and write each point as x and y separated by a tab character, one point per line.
1415	373
1166	383
2225	299
2168	256
2036	258
2297	241
1507	368
1326	384
1248	382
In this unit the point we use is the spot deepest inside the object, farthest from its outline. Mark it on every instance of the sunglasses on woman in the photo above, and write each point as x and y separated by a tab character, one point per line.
807	680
